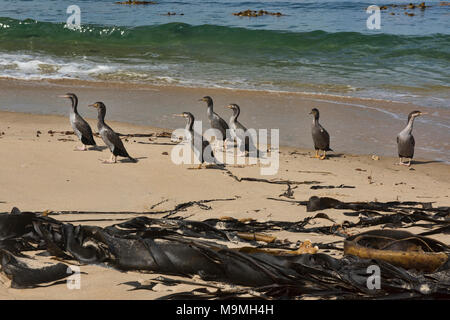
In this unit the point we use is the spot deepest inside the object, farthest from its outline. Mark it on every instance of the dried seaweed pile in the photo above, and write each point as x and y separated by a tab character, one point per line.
205	249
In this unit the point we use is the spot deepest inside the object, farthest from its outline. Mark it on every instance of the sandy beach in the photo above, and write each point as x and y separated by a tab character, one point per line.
40	171
280	224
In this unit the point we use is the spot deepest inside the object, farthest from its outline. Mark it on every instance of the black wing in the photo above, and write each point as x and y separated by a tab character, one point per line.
321	138
221	125
87	137
115	143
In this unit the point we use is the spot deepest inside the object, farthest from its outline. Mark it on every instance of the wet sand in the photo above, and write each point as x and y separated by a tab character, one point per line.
358	126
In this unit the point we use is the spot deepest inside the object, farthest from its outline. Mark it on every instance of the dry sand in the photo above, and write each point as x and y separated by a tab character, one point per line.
40	172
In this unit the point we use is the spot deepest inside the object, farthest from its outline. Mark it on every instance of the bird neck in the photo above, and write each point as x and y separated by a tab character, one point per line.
316	120
409	126
233	119
74	104
101	116
235	115
189	125
210	110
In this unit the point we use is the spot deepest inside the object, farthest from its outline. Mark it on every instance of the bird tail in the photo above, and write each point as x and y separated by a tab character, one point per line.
133	159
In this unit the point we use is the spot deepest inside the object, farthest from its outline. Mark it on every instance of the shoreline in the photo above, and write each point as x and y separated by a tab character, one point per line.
66	82
347	119
139	129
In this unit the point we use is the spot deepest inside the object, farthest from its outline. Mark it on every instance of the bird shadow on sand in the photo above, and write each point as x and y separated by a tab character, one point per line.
159	143
131	161
334	155
98	148
416	162
210	167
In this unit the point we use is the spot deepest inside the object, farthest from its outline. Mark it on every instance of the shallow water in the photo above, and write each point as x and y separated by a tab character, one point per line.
322	47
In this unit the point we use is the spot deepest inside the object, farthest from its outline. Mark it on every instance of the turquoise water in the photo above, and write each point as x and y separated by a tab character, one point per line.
317	46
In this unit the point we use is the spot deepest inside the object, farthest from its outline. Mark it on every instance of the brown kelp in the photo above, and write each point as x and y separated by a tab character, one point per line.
183	247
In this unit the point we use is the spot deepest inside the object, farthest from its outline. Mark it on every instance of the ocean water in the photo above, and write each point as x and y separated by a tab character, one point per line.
316	46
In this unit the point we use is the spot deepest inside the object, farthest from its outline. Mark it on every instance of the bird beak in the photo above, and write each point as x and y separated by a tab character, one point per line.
229	106
64	96
202	99
94	105
178	115
422	113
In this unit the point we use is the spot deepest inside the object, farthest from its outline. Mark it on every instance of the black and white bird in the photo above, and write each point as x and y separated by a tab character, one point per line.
215	120
320	136
238	129
80	127
111	139
405	139
191	138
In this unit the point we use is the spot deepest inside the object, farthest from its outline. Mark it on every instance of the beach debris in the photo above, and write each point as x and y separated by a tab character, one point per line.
52	132
164	134
187	249
342	186
254	13
318	172
133	2
305	247
400	248
375	157
289	193
22	275
65	139
272	181
178	207
256	237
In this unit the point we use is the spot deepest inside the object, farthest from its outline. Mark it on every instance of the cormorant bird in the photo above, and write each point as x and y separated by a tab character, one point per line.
320	136
215	121
108	135
191	138
405	139
79	125
236	126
